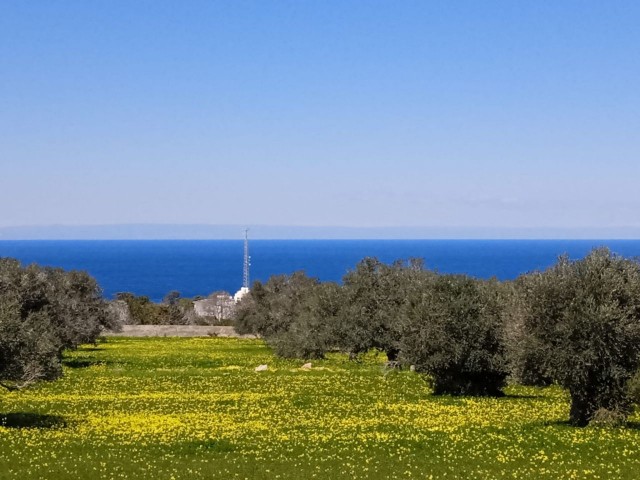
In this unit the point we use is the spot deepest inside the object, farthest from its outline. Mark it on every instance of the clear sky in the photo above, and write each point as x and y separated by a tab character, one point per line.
350	113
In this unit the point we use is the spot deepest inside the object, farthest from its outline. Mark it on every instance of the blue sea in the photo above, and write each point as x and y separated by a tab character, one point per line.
199	267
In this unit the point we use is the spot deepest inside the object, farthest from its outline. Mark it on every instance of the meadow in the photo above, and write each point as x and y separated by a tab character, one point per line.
176	408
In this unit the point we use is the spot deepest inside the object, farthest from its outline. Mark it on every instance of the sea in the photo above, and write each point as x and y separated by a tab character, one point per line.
199	267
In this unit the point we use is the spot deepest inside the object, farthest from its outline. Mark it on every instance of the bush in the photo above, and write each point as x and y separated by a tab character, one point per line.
453	332
582	320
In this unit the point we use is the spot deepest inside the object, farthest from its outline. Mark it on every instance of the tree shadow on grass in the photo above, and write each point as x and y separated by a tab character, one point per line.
31	420
568	424
77	363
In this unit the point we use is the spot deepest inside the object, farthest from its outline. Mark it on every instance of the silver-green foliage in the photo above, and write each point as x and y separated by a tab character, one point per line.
582	321
453	331
44	311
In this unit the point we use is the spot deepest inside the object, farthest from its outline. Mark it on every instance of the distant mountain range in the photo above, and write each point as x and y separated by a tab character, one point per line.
215	232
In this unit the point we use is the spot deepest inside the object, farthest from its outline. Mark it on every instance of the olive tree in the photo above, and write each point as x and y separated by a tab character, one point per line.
295	314
270	308
374	294
582	319
29	348
527	367
311	332
44	311
453	332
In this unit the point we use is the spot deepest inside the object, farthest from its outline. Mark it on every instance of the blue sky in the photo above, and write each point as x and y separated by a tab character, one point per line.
348	113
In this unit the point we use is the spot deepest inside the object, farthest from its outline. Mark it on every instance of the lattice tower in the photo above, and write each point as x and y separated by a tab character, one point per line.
247	260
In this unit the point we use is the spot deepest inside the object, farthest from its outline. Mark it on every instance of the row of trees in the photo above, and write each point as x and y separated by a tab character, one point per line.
44	311
140	310
174	309
576	324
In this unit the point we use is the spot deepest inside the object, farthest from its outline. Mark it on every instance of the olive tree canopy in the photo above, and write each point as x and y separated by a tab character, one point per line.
44	311
582	320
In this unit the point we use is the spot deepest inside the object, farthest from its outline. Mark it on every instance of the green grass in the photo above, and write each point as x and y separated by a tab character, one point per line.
167	408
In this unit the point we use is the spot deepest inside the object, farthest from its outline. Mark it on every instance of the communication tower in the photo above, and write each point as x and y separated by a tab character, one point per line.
247	261
245	271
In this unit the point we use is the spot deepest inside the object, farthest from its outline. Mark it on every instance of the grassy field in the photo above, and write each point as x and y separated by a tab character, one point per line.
169	408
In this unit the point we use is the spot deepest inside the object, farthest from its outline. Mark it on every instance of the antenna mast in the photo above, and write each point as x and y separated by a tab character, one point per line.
247	260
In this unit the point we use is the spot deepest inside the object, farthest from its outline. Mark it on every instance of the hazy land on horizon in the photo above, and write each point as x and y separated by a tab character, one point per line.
295	232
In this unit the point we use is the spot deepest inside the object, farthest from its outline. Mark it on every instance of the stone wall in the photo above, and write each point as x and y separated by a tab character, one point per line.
176	331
